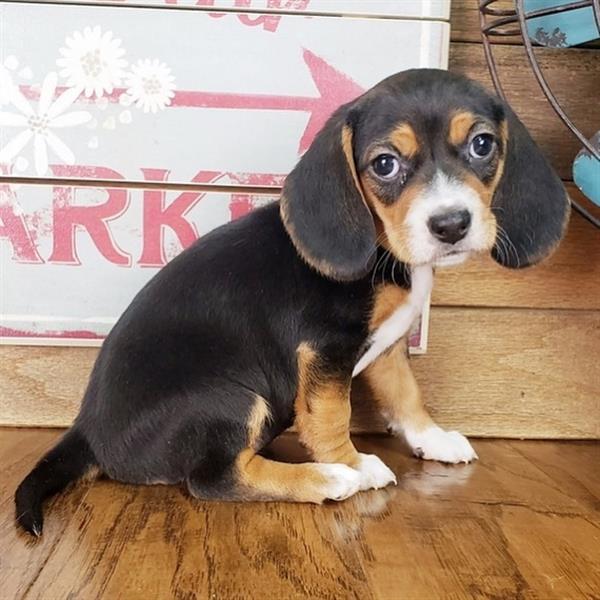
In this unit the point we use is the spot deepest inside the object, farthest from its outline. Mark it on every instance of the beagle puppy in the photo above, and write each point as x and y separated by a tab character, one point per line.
263	322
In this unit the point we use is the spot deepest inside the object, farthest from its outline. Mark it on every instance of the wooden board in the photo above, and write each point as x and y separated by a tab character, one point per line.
268	10
222	96
573	75
511	373
488	372
465	25
521	522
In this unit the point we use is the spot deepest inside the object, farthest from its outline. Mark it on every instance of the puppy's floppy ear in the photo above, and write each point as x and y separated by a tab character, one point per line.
323	208
530	203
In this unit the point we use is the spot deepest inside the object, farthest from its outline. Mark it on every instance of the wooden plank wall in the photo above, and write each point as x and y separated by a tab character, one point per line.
512	354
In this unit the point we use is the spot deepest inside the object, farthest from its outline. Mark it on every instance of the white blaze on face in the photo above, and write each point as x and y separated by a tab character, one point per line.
445	194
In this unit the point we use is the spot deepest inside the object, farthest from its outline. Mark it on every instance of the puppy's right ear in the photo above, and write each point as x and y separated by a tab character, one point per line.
323	208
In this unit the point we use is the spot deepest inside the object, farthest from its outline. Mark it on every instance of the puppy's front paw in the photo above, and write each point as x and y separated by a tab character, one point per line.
374	473
434	443
341	481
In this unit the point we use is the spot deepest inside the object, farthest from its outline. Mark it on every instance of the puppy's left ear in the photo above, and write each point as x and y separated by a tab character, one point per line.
530	204
322	205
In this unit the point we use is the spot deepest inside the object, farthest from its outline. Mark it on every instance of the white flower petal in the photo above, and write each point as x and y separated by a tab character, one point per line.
40	154
12	120
21	164
47	93
77	117
11	62
19	101
64	101
60	148
15	146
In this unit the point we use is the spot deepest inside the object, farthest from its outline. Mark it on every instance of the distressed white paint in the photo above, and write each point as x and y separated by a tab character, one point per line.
430	9
226	61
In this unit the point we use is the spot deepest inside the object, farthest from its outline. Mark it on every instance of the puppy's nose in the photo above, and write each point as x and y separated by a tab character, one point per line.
450	227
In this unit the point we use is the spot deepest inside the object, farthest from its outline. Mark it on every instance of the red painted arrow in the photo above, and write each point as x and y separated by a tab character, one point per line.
334	88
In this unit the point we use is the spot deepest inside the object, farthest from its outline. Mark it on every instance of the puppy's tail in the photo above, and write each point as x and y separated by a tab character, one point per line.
69	460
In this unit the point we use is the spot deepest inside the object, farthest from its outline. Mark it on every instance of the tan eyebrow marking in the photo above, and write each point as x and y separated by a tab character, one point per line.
405	140
460	125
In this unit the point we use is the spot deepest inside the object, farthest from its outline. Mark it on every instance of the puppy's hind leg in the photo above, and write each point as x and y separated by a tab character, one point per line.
245	475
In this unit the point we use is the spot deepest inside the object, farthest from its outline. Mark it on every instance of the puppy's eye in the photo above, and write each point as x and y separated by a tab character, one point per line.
481	146
386	166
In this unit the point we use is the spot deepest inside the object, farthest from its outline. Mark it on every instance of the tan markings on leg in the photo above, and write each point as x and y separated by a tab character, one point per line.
322	409
460	125
264	479
395	390
259	415
405	140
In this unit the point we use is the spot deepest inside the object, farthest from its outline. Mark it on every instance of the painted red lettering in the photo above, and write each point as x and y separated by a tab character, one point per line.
14	229
94	219
157	216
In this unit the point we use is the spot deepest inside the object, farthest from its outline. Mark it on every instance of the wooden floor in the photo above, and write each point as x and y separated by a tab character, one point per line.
521	523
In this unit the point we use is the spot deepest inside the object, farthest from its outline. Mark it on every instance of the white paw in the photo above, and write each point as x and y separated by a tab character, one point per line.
342	481
374	473
434	443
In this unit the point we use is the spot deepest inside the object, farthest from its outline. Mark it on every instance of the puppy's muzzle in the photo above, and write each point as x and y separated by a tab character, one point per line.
450	227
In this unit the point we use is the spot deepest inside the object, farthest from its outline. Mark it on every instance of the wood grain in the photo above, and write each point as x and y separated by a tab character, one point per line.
43	385
510	373
509	526
489	372
465	26
570	278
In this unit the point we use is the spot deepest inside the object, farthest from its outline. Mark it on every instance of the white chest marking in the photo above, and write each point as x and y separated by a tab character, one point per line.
400	321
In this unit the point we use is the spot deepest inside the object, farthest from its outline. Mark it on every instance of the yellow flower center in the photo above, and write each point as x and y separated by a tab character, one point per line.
38	123
92	63
151	85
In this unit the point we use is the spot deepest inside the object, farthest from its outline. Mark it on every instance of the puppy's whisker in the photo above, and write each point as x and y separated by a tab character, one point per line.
389	254
511	247
374	274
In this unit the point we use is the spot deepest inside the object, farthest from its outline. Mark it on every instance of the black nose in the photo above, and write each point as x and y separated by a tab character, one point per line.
450	227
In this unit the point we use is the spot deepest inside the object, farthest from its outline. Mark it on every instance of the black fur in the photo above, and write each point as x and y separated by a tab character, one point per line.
530	203
320	195
171	392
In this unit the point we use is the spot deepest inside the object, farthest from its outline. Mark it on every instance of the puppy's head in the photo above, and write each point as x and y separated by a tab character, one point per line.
430	166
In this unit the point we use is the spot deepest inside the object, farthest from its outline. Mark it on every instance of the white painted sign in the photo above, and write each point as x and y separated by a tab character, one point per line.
131	90
135	95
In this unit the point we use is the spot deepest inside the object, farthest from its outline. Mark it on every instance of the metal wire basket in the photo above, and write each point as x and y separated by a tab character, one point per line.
503	22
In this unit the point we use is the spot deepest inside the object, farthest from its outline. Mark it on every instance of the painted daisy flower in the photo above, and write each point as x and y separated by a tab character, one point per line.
92	61
38	124
150	85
